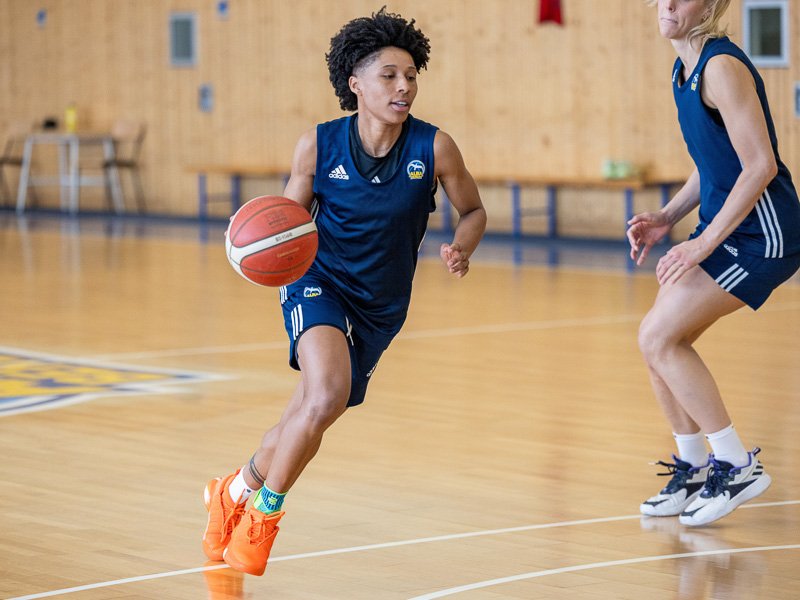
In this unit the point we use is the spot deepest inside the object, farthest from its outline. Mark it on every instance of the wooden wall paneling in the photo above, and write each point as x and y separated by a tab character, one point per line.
780	90
791	146
35	80
519	97
443	97
794	141
303	93
649	127
589	83
145	100
7	52
250	95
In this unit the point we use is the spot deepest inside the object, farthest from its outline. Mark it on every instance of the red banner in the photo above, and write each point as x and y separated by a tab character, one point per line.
550	10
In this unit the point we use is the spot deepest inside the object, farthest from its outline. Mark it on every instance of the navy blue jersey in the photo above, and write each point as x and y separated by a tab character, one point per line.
772	228
370	233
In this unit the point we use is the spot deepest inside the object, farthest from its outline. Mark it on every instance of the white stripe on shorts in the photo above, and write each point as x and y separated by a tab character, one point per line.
731	278
773	236
349	333
297	320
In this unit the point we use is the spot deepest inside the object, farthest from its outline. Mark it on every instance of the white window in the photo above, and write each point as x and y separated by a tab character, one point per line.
182	39
765	28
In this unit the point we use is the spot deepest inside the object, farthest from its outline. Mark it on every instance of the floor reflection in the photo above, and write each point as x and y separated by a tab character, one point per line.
223	582
718	574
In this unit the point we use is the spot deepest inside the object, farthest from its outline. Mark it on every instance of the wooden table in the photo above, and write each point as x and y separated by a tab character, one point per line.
69	178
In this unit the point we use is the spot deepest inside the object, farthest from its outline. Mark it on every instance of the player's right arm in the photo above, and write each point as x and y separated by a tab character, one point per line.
300	186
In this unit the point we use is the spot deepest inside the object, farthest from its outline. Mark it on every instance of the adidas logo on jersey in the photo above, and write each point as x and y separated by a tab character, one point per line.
339	173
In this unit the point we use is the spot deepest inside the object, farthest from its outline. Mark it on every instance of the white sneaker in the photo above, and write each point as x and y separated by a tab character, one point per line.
727	487
686	484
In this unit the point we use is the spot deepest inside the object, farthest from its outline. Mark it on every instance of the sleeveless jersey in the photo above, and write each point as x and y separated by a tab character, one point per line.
772	228
370	233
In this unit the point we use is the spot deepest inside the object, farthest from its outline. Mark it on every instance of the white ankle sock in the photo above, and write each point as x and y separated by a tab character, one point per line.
692	448
238	488
727	447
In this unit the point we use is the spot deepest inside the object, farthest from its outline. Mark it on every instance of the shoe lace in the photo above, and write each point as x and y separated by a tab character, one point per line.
259	530
232	518
679	474
718	476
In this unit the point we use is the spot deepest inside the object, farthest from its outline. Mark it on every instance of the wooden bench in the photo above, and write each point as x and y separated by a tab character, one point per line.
628	188
235	173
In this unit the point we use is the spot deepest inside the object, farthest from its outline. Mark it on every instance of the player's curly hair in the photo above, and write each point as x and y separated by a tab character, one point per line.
358	43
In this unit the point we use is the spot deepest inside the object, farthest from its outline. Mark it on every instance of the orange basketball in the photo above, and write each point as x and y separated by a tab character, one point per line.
271	241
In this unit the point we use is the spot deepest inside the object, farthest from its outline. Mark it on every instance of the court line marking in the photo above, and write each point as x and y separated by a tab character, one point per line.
422	334
597	321
611	563
439	538
255	346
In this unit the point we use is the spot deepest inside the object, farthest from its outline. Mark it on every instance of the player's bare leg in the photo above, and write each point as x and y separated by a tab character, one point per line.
320	399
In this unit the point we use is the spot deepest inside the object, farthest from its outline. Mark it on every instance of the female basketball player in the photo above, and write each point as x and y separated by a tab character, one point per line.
369	181
746	244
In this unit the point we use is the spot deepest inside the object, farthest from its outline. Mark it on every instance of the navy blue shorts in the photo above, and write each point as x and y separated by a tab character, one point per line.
313	302
749	278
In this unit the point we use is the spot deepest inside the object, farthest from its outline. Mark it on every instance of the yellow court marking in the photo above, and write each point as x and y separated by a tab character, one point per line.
31	381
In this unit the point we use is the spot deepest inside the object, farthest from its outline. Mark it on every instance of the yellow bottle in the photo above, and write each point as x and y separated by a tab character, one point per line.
71	118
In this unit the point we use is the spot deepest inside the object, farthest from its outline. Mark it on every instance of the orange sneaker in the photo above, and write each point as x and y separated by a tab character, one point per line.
251	542
223	516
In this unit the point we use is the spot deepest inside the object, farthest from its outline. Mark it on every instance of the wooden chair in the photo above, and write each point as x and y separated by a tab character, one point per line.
12	154
128	136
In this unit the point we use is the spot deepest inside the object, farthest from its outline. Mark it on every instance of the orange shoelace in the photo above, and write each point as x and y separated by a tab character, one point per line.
231	520
260	530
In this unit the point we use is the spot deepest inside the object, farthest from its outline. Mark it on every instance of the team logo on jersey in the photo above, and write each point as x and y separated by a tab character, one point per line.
695	81
731	249
415	169
339	173
32	381
312	292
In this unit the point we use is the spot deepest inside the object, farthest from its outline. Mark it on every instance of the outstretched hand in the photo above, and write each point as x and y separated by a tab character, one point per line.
455	258
645	230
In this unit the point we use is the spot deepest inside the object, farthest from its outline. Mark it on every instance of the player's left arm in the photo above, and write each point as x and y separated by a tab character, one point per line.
730	87
463	194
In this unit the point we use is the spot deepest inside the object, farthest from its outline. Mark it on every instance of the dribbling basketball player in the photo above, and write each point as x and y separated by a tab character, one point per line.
369	181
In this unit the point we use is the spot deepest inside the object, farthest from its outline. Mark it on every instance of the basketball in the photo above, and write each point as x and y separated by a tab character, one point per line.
271	241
